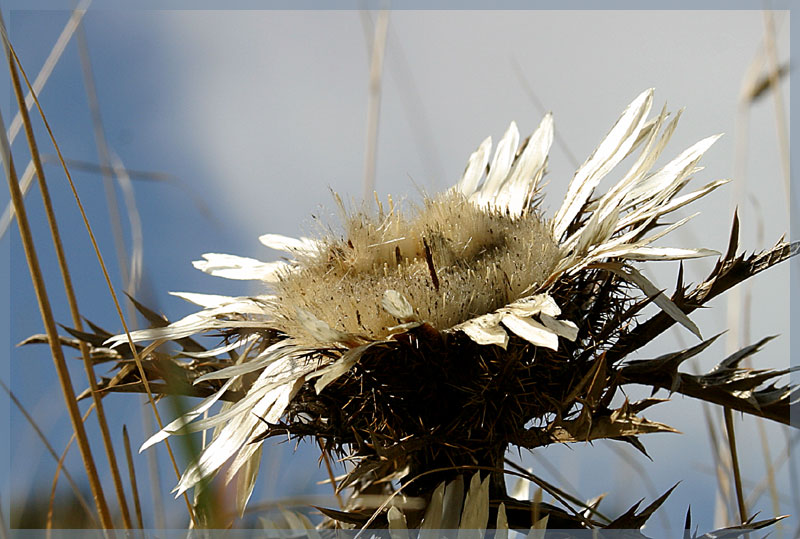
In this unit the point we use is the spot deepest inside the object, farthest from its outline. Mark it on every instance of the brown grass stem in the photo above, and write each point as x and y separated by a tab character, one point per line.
737	475
103	267
50	328
137	505
746	326
76	490
70	293
718	456
553	471
24	185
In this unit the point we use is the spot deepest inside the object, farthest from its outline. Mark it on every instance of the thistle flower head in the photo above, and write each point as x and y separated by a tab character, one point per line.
448	261
440	335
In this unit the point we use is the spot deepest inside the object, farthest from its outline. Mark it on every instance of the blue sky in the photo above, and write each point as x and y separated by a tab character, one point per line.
260	114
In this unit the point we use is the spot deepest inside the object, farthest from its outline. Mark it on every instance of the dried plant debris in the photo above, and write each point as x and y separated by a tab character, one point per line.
422	343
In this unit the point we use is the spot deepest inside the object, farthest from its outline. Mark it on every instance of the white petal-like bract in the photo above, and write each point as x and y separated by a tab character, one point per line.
241	268
532	331
610	152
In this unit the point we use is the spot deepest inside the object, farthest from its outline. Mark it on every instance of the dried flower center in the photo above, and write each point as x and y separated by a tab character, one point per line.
451	260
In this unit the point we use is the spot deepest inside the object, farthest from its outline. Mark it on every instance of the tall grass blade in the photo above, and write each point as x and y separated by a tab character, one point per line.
528	88
137	504
737	474
70	293
721	464
327	459
24	185
50	326
136	264
106	276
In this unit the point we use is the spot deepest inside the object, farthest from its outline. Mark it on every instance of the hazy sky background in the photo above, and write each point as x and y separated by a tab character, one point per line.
259	114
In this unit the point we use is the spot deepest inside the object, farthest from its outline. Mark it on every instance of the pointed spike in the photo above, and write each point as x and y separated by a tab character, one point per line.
733	244
155	319
97	329
624	520
687	524
636	443
650	509
632	520
94	340
733	360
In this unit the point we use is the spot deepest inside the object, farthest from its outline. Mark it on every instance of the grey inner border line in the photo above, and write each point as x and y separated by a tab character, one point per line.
566	5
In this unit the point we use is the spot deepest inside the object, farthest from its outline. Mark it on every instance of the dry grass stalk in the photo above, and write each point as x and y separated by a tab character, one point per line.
137	505
737	474
18	202
70	293
50	328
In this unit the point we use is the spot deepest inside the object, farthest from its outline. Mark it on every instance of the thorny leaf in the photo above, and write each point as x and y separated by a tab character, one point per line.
632	520
725	384
613	424
728	272
742	529
606	426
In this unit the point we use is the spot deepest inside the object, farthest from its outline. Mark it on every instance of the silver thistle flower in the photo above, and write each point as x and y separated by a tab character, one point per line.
475	279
